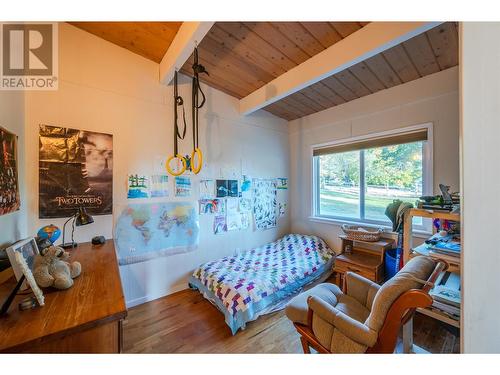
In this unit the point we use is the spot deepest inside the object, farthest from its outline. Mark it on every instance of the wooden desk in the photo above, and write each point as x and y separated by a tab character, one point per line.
87	318
365	259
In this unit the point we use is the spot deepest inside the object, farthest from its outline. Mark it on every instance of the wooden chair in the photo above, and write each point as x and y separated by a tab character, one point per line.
362	337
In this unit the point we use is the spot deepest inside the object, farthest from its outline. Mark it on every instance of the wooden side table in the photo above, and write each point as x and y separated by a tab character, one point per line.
362	257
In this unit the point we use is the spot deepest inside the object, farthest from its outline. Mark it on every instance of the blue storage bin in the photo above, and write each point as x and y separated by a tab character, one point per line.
390	263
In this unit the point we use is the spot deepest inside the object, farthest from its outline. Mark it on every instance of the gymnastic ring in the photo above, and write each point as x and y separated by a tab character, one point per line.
198	152
183	161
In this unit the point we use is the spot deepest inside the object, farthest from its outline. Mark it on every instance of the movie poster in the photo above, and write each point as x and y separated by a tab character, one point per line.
76	170
9	186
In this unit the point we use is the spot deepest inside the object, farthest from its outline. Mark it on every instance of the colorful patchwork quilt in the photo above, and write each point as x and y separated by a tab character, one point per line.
245	284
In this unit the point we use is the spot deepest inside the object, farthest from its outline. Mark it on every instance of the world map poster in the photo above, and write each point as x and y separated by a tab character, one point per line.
144	231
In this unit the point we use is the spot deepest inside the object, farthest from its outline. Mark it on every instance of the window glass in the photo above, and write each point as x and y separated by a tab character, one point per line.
360	184
339	184
393	172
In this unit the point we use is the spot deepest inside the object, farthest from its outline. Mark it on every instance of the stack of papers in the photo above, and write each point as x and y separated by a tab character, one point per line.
446	294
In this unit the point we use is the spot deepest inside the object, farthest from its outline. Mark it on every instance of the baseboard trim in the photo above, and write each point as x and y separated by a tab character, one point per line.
148	298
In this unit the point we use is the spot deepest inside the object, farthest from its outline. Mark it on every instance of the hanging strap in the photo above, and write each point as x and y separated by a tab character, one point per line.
196	91
178	102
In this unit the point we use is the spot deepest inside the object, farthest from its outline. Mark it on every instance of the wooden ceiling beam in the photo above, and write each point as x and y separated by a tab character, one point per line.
181	48
368	41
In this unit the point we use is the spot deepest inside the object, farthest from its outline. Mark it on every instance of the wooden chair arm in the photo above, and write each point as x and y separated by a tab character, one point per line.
406	303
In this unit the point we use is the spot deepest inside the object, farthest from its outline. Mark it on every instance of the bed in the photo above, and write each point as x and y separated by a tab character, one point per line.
254	282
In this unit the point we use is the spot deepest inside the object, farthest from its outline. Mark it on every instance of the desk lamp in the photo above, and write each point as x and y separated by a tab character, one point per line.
81	217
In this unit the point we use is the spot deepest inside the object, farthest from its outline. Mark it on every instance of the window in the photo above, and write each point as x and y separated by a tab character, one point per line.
357	179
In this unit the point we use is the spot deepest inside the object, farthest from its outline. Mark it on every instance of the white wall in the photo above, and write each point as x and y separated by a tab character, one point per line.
430	99
13	225
480	139
105	88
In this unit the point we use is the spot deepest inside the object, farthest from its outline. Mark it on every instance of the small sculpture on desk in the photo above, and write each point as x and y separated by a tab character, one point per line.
51	268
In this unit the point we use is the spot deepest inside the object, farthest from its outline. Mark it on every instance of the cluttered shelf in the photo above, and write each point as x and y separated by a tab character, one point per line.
445	245
424	249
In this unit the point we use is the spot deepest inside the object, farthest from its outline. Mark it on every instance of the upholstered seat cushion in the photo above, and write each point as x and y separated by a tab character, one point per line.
296	309
411	276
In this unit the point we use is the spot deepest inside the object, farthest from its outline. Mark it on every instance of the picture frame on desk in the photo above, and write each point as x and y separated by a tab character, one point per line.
22	256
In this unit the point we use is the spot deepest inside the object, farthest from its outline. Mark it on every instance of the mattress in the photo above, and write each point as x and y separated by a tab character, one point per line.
249	283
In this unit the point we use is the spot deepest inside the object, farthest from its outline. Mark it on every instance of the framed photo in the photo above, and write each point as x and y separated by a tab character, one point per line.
22	256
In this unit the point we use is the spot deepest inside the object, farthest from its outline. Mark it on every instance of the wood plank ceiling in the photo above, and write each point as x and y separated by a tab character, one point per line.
148	39
424	54
243	56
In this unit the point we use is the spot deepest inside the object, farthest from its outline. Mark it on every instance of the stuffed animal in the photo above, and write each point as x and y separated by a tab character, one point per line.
51	268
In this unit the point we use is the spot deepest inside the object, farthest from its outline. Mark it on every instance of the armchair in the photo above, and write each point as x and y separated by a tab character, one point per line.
365	317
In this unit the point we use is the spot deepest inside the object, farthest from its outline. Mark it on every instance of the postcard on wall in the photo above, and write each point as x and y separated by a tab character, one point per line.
212	206
75	169
282	183
182	186
159	186
9	185
207	189
220	225
264	203
245	205
137	186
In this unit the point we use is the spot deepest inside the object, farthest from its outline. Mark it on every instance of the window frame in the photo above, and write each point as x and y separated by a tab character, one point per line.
427	176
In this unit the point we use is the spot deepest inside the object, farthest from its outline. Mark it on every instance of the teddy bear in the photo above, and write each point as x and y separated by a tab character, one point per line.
51	268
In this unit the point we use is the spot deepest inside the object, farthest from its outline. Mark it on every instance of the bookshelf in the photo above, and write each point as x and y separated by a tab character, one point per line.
409	252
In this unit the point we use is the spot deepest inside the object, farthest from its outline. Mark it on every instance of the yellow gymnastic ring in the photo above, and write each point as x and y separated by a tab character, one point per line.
198	152
183	161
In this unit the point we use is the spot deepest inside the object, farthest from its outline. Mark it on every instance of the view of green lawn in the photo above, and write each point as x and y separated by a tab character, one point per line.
346	204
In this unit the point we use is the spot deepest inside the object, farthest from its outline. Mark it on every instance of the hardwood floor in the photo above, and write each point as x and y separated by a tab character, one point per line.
185	322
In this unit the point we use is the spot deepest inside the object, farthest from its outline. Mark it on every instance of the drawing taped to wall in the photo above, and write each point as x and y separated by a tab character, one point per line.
207	189
137	186
245	205
220	225
232	206
75	170
264	203
182	186
212	206
246	184
233	221
159	186
245	220
9	183
227	188
282	183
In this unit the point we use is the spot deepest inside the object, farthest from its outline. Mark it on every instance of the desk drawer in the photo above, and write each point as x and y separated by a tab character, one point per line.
343	267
